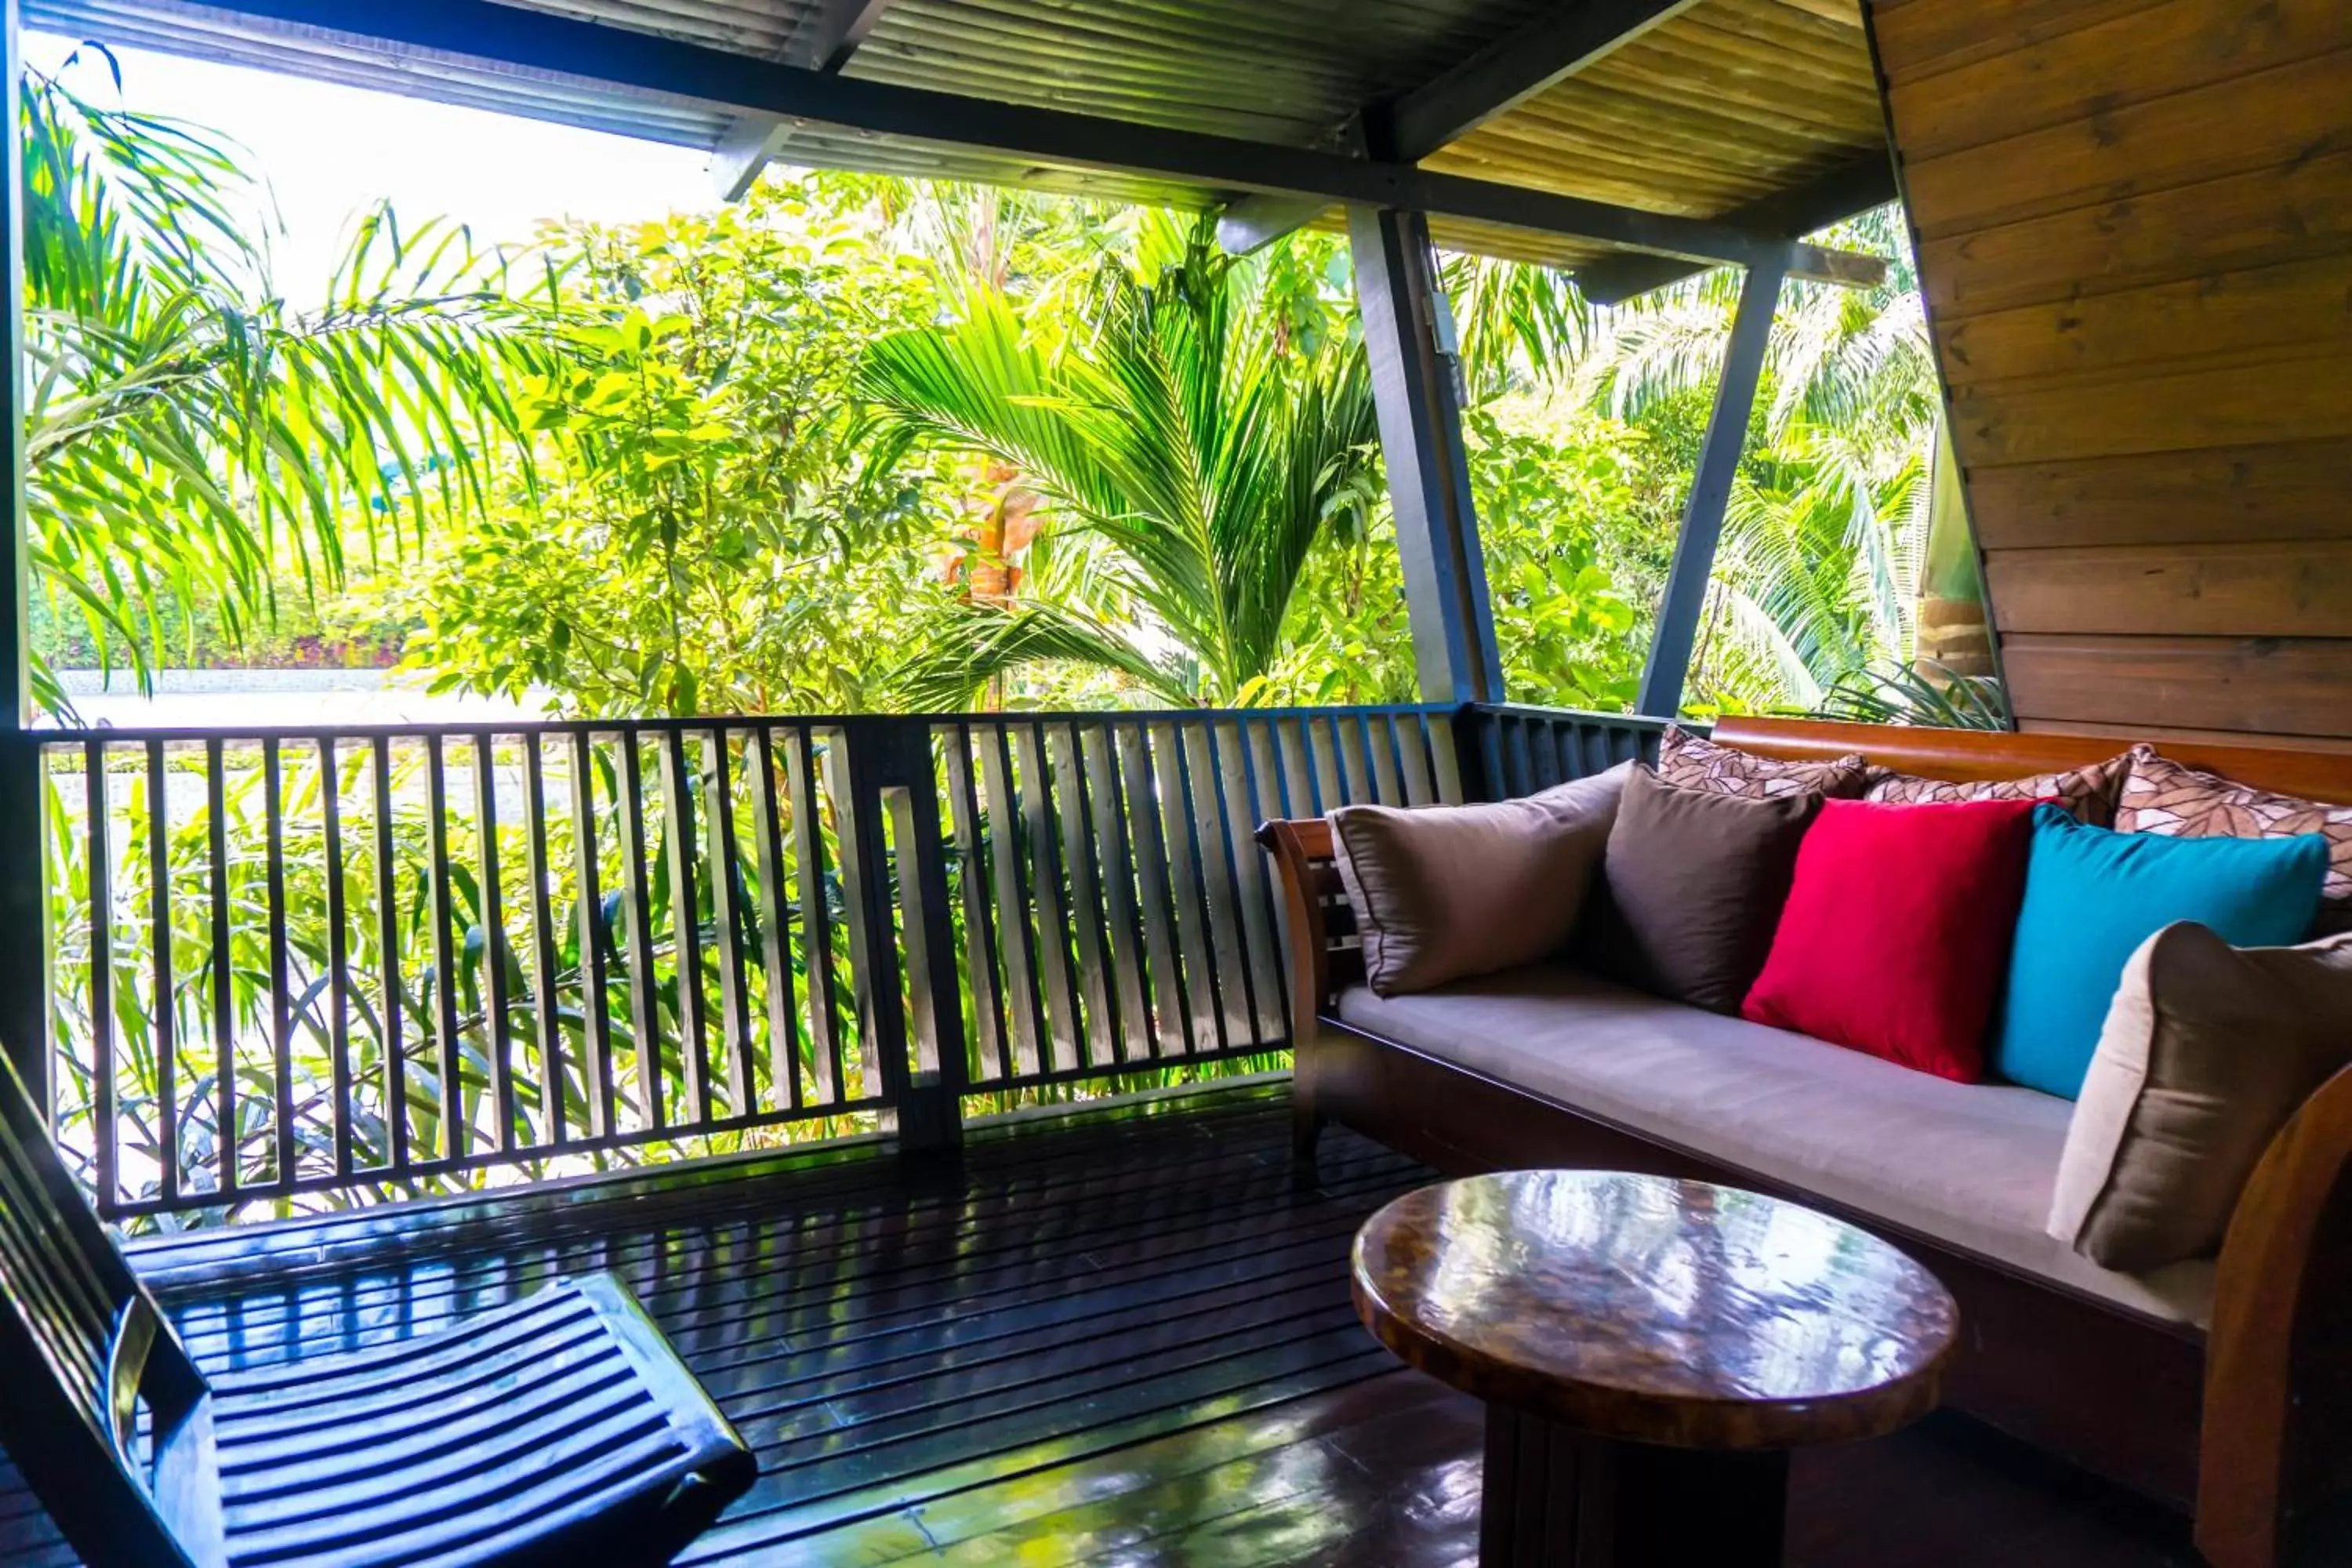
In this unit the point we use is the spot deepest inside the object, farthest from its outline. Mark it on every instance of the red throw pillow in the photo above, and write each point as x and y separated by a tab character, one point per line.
1895	937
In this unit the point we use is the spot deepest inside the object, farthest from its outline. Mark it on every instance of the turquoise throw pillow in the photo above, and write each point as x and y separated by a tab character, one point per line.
2093	896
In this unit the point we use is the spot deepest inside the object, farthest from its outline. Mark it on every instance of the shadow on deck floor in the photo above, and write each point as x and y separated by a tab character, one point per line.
1117	1339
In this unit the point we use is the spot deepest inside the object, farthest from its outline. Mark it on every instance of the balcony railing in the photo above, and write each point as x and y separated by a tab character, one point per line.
303	966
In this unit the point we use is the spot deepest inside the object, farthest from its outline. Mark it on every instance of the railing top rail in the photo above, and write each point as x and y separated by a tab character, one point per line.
126	735
1585	716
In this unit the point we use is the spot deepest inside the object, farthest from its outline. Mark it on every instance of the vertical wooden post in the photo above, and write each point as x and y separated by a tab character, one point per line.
885	772
1718	464
930	1106
24	901
1415	377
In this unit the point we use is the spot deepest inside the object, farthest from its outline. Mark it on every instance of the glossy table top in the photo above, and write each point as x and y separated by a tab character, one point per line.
1656	1311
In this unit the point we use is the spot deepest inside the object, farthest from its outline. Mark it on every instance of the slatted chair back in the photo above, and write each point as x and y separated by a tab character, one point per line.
105	1415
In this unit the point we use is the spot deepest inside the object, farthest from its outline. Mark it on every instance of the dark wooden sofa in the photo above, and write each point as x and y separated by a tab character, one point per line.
2248	1423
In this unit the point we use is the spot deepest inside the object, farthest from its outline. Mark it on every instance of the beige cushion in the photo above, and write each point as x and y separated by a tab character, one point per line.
1969	1165
1446	891
1693	762
2208	1049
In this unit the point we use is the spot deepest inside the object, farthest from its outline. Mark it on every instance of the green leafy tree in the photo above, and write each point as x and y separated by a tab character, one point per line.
193	441
707	532
1191	440
1824	536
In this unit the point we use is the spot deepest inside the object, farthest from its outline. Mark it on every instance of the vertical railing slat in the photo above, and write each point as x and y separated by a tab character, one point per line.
339	994
1066	1033
449	1081
726	929
546	1022
1111	847
387	913
1098	1041
1267	794
596	991
775	932
497	1029
1219	842
645	1009
979	929
1188	886
99	853
686	926
827	1068
1025	998
165	1022
856	794
1163	890
223	969
282	1008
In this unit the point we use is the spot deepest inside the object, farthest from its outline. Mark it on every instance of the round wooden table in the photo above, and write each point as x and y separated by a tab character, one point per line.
1649	1351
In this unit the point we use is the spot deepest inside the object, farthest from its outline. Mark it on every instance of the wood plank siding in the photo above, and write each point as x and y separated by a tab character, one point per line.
2134	230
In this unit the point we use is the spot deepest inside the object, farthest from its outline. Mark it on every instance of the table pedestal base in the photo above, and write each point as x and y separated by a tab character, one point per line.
1557	1498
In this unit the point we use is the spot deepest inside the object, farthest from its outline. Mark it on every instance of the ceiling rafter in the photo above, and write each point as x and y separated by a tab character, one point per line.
674	69
1857	187
828	35
1497	78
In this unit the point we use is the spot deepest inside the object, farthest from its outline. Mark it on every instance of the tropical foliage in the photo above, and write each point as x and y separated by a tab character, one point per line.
1190	445
695	526
1825	537
195	441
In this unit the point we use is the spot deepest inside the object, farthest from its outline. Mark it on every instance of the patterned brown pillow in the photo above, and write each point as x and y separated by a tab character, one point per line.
2160	796
2088	792
1691	762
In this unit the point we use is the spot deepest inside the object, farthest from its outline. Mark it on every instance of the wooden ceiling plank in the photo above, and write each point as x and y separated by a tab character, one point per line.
1508	71
828	35
1839	193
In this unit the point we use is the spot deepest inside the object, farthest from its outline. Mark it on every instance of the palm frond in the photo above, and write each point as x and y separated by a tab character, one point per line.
963	648
187	431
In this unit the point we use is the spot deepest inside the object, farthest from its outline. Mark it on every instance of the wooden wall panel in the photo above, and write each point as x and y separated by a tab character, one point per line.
2134	225
2262	686
2235	590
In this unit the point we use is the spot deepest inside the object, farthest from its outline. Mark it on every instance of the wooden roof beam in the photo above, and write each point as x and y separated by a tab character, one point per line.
829	33
1497	78
672	68
1857	187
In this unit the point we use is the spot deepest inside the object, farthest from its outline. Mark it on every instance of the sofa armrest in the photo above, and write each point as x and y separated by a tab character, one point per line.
1305	859
2275	1438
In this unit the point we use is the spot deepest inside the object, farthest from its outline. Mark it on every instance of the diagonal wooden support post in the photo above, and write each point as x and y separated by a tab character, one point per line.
1710	493
1415	379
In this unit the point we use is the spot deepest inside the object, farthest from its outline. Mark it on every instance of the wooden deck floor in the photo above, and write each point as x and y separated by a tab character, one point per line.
1121	1339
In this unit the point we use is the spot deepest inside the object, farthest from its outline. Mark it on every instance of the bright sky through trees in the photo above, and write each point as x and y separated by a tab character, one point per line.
328	151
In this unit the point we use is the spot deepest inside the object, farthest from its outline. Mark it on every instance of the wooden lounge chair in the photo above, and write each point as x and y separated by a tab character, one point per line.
562	1428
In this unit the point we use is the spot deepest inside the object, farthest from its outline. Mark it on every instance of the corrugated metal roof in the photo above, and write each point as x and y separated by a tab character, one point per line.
1728	102
207	32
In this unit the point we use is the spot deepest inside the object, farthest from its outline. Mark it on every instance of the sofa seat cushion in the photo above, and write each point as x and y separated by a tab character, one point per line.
1972	1165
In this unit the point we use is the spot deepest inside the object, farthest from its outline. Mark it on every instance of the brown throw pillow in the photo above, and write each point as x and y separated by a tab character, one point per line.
2160	796
2208	1050
1696	881
1693	762
2088	793
1447	891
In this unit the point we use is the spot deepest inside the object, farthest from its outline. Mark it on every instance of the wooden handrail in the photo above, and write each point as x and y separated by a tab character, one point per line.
1299	847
